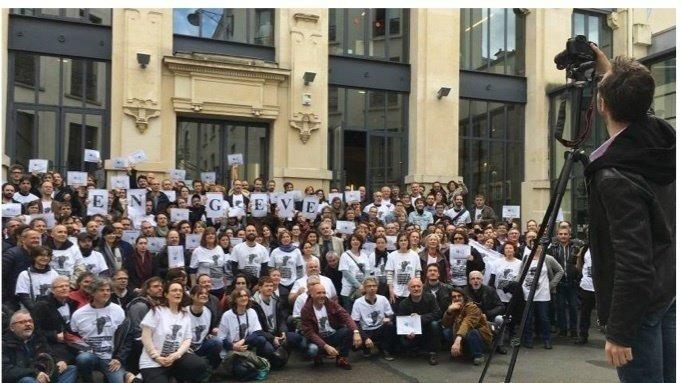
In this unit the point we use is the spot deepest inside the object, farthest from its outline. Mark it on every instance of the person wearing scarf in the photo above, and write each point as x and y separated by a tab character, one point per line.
141	265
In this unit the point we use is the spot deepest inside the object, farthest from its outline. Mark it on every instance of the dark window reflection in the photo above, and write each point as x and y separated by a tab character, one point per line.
242	25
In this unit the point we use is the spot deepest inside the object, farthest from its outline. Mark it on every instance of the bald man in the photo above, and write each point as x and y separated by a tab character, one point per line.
424	305
484	296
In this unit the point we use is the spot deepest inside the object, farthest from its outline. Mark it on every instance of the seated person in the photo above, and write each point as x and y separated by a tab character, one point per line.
328	326
485	297
418	303
373	315
473	334
21	354
434	286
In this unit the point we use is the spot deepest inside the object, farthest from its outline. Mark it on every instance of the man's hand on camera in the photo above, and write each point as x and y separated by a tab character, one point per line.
602	62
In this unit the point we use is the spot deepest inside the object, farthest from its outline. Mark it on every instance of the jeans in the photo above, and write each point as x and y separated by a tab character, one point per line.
542	310
654	349
210	349
429	340
68	376
295	341
88	362
262	346
340	339
587	304
189	368
473	344
347	303
384	336
566	297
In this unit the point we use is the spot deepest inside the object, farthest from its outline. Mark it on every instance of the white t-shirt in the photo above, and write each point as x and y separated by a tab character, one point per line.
40	283
211	262
406	266
64	262
24	199
65	312
249	259
587	282
288	263
200	326
98	326
323	320
358	268
95	263
543	292
370	316
238	201
382	210
505	272
236	327
372	269
298	305
328	286
465	217
270	314
47	206
168	331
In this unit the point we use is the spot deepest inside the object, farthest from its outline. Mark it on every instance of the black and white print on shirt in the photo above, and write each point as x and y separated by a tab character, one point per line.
198	331
458	272
171	343
252	268
530	276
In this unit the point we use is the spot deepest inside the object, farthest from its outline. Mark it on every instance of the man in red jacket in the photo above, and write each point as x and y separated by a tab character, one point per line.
328	326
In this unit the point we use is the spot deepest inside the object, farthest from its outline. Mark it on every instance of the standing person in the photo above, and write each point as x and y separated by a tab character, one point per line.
631	184
14	261
209	258
96	323
113	248
458	212
564	251
250	257
587	297
141	264
403	265
353	265
288	259
66	255
36	281
121	294
166	338
461	268
432	255
482	212
92	261
377	261
420	216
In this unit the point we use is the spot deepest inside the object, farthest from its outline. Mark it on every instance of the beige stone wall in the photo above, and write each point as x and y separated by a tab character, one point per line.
4	26
433	122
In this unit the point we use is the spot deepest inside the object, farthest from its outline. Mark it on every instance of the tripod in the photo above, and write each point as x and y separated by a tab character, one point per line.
586	99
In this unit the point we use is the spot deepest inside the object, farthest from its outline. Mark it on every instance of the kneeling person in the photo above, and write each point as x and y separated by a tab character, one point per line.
373	314
473	334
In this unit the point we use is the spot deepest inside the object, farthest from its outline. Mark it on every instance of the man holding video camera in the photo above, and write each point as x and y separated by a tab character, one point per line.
631	183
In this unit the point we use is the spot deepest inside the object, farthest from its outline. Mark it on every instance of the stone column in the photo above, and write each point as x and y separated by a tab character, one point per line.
433	122
299	150
4	35
141	117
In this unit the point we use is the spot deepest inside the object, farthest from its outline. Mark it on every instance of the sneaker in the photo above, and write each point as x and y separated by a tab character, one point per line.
342	362
501	350
432	359
581	341
318	361
547	345
388	356
479	361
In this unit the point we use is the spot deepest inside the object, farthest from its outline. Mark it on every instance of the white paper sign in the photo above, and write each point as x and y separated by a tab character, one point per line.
235	212
235	159
120	182
119	163
170	194
274	197
37	166
137	157
235	241
259	205
459	251
297	195
76	178
285	206
175	256
560	217
98	200
332	196
137	202
177	215
214	206
368	247
208	177
352	196
192	241
155	244
510	211
11	209
91	155
408	324
130	236
178	174
50	221
309	208
391	242
345	227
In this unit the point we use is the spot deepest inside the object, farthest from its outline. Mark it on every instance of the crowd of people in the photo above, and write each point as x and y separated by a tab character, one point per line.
141	296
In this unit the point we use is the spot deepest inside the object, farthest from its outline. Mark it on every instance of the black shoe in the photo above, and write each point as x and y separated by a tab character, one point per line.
547	345
573	333
527	345
501	350
432	359
388	356
318	361
582	340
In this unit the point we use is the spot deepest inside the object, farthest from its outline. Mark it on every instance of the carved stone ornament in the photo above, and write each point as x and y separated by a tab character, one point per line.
142	111
305	123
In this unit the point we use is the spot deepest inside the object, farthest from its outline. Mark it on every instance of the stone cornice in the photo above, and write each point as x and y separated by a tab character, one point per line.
227	67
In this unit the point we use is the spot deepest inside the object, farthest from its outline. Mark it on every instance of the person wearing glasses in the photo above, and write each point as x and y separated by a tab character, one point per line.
472	334
460	268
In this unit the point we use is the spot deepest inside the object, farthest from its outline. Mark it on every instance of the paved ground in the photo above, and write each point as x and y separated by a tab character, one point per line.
565	363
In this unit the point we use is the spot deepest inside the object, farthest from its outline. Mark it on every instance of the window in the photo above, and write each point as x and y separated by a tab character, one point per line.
372	33
198	151
595	27
241	25
492	40
101	16
664	103
58	108
367	137
491	151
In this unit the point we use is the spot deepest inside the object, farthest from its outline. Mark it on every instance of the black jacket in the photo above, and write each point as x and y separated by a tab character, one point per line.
442	294
566	256
14	261
162	203
427	308
18	357
632	226
487	300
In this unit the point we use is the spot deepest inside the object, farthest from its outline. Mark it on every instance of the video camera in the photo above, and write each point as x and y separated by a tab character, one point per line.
577	59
